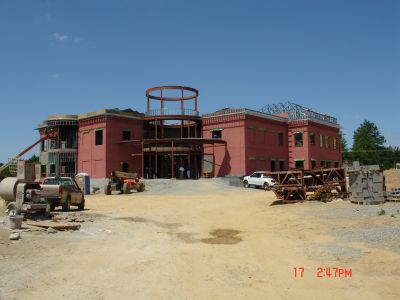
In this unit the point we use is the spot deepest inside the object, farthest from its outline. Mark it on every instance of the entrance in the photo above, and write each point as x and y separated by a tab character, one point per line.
177	165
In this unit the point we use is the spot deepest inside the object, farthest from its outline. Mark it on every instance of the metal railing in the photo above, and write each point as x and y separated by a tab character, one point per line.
172	112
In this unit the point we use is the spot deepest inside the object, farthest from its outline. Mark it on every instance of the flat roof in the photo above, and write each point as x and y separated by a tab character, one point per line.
247	111
128	113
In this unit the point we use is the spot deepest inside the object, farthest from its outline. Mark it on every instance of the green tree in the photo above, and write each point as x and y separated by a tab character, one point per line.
33	159
5	172
367	144
389	157
346	155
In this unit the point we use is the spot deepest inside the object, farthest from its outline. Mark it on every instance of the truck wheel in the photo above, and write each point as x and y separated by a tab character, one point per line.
266	186
246	184
67	204
126	188
81	205
107	189
52	206
47	212
12	209
140	188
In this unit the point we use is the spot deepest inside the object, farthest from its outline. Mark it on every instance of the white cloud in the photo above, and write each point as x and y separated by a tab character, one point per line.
55	76
60	37
64	38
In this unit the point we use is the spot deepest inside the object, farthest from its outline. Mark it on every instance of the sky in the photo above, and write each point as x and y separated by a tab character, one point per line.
340	57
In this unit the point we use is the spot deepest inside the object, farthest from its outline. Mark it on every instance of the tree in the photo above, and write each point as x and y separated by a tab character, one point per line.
389	157
346	155
5	172
33	159
367	143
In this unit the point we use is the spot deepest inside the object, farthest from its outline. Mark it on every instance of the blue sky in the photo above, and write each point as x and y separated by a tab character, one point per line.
337	57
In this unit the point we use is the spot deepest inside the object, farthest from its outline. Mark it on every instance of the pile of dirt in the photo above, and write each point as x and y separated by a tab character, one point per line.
392	178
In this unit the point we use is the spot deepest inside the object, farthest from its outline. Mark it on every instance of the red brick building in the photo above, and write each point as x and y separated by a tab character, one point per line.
164	140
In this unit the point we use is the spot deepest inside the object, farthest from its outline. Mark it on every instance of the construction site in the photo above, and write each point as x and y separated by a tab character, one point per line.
157	205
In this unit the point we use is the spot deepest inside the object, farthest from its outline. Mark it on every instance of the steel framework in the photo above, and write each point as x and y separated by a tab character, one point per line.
297	112
301	185
172	136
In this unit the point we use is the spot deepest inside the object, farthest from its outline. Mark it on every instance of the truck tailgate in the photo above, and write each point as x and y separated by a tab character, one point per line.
50	191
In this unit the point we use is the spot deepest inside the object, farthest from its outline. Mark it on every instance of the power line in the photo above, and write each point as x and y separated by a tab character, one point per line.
383	150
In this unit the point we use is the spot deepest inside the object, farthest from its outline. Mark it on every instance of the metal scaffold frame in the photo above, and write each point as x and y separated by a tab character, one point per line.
297	112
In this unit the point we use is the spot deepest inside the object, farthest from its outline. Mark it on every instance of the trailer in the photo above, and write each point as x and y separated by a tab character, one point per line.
302	185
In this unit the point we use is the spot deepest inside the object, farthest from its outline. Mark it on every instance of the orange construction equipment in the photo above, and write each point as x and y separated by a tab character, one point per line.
124	182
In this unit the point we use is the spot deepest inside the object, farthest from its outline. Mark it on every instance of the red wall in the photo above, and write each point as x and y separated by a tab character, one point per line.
99	161
251	144
262	144
308	151
92	158
229	159
118	152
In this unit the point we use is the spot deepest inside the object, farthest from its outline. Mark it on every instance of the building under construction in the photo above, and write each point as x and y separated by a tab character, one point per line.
172	136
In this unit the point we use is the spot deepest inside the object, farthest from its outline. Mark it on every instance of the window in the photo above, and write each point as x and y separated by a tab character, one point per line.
322	163
98	137
313	164
282	165
312	139
335	143
321	140
272	165
217	134
328	164
327	141
280	138
43	170
126	134
298	139
336	164
125	167
256	175
299	164
52	169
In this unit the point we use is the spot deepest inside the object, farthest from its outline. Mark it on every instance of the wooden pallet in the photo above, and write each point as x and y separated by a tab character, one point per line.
393	199
54	225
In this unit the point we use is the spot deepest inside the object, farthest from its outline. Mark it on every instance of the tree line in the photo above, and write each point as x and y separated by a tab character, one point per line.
6	172
368	147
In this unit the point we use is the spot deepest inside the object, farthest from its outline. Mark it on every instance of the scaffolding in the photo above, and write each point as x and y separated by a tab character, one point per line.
59	153
297	112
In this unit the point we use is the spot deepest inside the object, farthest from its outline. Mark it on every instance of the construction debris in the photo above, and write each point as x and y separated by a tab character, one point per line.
393	195
366	184
15	236
51	230
300	185
54	225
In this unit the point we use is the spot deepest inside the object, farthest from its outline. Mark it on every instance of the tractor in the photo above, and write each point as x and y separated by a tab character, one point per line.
124	183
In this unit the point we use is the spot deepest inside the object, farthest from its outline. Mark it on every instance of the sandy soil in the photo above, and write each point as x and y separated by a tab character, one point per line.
392	178
205	240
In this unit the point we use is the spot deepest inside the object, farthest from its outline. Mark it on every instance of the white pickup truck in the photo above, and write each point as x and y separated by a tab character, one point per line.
259	179
62	191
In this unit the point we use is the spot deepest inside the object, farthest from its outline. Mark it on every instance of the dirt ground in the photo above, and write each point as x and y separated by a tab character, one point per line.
392	178
206	240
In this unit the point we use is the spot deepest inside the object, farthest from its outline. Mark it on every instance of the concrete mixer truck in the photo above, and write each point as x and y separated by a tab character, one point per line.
23	193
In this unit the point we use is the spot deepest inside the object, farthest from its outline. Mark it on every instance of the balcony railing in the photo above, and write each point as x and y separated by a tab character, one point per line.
172	112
